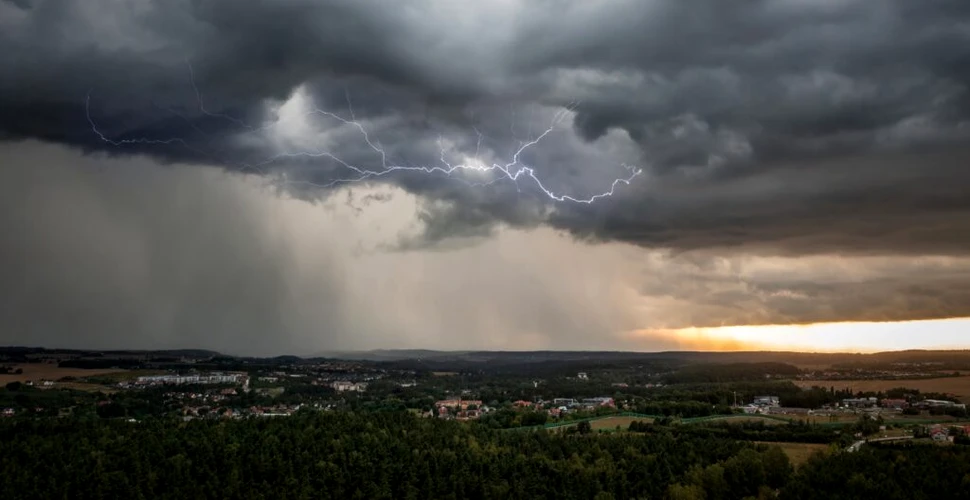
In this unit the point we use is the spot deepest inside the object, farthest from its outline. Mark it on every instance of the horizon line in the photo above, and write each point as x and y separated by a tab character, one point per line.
324	354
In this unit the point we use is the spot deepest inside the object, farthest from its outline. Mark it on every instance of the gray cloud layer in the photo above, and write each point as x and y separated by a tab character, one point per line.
790	126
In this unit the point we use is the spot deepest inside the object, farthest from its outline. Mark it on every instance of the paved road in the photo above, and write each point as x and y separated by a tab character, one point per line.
858	444
891	438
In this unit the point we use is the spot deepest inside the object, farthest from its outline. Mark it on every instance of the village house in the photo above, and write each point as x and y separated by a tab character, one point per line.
343	385
460	409
939	403
601	401
859	402
459	404
894	404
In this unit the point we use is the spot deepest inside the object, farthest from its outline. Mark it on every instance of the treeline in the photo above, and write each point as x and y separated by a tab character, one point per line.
347	456
911	361
733	372
102	363
794	432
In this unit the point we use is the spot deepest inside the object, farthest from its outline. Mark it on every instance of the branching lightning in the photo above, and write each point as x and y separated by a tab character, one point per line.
514	170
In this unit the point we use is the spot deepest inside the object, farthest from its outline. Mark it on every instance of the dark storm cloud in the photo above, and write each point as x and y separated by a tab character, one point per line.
914	203
789	126
124	253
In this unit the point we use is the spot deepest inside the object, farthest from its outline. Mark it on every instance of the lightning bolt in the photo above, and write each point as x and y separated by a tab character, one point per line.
514	170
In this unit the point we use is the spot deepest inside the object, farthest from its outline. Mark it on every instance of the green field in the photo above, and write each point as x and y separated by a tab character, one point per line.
610	423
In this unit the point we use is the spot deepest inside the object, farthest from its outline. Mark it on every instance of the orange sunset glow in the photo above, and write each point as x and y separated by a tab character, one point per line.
820	337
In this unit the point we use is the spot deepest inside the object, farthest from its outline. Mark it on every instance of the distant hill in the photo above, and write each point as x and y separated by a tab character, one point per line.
389	354
432	359
23	354
455	359
186	353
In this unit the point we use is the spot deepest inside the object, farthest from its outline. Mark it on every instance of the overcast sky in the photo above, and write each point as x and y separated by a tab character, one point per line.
194	173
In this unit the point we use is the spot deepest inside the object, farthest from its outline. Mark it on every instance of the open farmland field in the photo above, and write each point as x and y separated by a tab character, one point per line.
86	387
740	419
825	419
610	423
959	386
799	453
49	371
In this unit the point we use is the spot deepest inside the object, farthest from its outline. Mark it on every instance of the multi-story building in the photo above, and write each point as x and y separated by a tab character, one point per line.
766	401
895	404
212	378
859	402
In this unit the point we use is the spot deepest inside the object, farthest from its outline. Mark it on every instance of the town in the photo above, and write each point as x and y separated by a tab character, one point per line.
518	394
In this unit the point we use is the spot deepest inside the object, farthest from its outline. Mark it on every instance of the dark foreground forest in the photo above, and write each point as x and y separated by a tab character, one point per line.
395	455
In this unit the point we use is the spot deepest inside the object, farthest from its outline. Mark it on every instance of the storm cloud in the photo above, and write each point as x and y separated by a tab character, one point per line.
106	253
785	131
800	127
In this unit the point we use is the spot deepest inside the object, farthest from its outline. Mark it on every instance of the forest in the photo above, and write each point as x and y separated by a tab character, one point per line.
396	455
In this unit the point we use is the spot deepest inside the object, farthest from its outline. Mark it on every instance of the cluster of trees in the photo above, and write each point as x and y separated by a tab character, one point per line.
794	432
508	419
725	393
749	474
683	409
889	472
953	412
